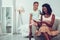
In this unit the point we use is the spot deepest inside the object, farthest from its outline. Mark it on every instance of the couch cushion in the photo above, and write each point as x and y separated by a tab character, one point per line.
56	25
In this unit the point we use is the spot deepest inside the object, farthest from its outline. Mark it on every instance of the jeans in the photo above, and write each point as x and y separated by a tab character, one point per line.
41	37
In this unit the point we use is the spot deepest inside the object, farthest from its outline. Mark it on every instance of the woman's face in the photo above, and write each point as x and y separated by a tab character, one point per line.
44	9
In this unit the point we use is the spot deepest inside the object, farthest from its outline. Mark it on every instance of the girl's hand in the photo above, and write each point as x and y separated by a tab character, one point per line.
33	23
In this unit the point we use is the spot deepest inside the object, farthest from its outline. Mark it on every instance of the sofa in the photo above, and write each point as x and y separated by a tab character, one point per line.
56	26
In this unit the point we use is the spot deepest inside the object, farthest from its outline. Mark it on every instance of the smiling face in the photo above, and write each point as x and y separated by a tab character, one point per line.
44	9
35	6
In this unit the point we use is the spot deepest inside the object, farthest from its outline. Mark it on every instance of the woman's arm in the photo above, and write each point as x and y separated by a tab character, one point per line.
52	33
52	20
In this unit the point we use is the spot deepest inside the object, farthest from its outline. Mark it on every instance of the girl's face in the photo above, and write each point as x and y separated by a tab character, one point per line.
35	6
44	9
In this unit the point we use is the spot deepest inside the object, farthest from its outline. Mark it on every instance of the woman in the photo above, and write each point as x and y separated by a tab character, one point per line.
47	22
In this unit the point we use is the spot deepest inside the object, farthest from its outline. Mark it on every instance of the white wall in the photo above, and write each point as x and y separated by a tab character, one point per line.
0	15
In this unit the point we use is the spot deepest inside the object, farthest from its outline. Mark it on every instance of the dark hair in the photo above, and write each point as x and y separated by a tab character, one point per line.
36	2
48	8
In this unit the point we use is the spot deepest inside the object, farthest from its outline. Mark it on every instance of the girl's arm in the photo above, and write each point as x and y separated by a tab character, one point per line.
30	27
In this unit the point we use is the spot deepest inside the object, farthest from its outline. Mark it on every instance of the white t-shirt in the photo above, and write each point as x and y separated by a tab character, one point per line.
36	15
